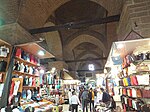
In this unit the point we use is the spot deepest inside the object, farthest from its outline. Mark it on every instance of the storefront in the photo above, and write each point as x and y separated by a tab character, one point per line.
129	76
24	82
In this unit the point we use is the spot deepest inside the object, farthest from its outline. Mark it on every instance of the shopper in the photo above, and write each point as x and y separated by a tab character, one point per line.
91	100
105	96
74	101
69	97
84	99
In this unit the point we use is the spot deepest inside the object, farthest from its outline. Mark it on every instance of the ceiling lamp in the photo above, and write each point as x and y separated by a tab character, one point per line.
91	67
41	53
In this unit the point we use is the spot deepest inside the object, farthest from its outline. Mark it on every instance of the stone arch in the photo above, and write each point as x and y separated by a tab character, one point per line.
82	65
86	56
54	42
87	32
84	38
89	52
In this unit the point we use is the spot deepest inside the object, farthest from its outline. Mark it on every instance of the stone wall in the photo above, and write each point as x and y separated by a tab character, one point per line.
135	16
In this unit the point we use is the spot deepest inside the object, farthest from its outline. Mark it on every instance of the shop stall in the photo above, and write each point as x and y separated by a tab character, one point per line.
130	73
20	78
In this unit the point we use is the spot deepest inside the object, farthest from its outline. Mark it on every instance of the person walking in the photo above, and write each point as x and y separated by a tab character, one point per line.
69	97
84	99
91	100
74	101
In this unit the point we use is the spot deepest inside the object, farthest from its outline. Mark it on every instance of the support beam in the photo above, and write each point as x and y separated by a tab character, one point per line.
81	60
86	70
75	25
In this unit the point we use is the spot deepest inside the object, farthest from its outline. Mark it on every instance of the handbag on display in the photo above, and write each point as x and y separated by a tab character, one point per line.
116	60
142	67
4	51
134	81
143	79
148	55
138	93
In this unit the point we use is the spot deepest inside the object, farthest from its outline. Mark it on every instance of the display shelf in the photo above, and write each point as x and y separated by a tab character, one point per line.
26	87
135	86
26	62
138	73
24	74
141	61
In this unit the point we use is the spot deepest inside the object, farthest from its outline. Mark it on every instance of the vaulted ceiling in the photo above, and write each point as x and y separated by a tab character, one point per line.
85	42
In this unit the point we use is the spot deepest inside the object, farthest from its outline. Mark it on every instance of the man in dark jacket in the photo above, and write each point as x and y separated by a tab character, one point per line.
105	97
84	99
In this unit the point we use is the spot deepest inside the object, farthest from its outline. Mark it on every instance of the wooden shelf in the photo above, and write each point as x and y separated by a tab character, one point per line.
24	74
26	62
29	87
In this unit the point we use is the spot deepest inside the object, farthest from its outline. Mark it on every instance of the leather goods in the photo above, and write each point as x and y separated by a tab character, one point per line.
142	67
3	65
134	80
116	60
18	52
138	93
145	93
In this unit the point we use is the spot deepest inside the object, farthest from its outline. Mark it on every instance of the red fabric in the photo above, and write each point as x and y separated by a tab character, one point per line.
135	82
18	52
1	77
11	91
130	92
130	102
31	58
34	82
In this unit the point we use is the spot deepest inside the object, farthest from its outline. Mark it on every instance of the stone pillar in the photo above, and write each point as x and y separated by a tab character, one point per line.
135	16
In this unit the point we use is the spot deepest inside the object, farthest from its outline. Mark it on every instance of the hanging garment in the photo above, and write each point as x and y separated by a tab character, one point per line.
28	57
18	53
22	67
16	66
11	91
16	87
30	81
24	95
26	69
23	55
31	70
3	65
